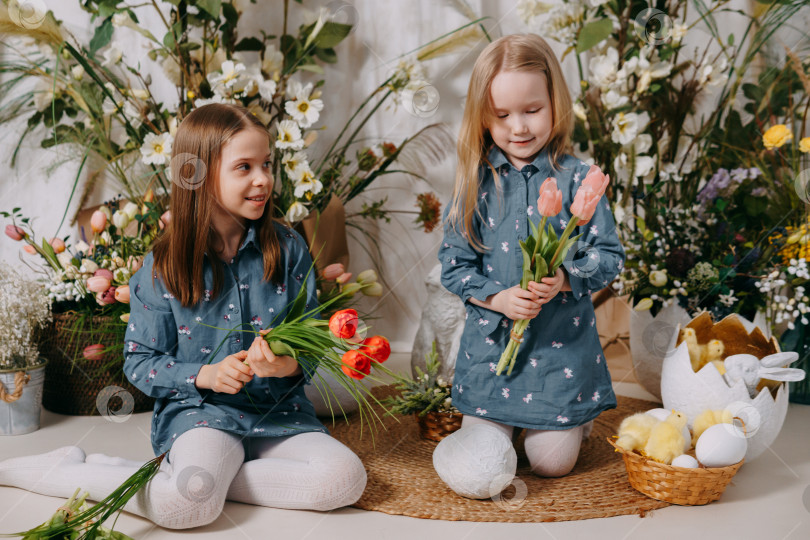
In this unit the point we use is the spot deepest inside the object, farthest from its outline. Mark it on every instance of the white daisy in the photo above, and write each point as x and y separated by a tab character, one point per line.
156	149
267	89
289	136
273	60
296	212
293	161
229	75
305	182
301	107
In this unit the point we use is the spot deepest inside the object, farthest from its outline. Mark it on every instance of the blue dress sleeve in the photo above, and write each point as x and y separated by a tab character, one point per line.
150	345
598	256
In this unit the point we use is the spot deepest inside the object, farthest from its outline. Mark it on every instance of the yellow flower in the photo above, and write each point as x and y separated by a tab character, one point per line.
804	145
776	136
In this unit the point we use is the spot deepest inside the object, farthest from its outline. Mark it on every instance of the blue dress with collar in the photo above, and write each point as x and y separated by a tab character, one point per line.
560	379
166	344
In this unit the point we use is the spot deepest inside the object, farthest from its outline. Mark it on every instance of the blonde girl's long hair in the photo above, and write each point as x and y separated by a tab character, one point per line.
517	52
196	155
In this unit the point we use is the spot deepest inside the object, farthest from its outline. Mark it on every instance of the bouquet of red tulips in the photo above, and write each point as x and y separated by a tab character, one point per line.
543	252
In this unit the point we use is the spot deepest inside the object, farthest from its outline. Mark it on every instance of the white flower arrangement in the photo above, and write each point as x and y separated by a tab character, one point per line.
24	309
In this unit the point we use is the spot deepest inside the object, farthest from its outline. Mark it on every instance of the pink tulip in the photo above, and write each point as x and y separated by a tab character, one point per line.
98	284
596	180
98	221
14	232
57	244
106	297
103	272
165	219
333	271
94	352
30	249
344	278
550	201
584	204
134	263
122	294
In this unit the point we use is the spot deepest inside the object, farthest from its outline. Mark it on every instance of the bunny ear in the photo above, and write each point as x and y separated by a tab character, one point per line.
779	359
782	374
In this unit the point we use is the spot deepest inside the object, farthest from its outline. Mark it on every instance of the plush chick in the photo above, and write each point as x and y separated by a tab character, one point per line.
708	418
666	440
711	352
721	367
695	350
635	430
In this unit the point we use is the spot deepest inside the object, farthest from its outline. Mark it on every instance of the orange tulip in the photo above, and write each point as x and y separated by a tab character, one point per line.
355	364
584	204
376	348
343	324
57	244
550	201
98	221
98	284
596	180
122	294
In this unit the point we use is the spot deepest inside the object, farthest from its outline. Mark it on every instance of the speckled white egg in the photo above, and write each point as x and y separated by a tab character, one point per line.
721	445
477	461
663	414
686	461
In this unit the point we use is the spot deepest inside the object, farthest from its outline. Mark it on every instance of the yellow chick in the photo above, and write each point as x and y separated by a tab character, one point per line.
721	367
708	418
666	440
711	352
695	350
635	430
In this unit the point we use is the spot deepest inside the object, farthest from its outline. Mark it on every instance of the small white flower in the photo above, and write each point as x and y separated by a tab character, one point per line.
267	89
301	107
120	219
296	212
273	60
120	19
289	136
77	72
156	149
613	99
579	111
603	69
627	126
228	76
305	181
113	54
293	161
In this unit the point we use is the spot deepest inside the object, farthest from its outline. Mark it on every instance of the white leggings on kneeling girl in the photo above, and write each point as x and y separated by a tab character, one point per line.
551	453
206	466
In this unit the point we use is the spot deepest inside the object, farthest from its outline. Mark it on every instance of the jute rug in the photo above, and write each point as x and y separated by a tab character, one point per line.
402	481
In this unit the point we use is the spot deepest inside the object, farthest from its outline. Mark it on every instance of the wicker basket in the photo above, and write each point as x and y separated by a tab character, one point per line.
73	384
676	485
435	426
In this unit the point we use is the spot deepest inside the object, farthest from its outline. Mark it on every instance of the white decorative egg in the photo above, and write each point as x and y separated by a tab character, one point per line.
721	445
663	414
686	461
477	461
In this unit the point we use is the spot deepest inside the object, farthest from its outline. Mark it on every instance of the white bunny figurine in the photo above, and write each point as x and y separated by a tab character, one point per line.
747	368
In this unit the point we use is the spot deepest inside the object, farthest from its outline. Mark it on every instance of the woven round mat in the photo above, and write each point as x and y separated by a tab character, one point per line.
402	481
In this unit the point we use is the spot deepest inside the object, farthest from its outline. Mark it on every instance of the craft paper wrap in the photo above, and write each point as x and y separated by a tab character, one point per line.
684	390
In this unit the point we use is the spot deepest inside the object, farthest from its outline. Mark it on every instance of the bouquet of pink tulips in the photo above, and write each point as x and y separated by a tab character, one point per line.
543	252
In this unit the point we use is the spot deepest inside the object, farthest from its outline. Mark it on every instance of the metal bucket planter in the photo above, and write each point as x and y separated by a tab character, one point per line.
21	400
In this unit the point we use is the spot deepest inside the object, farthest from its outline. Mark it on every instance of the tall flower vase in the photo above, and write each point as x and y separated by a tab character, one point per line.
798	340
325	233
21	399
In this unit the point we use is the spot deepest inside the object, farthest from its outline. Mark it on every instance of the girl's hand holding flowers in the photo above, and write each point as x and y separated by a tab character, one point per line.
227	376
516	303
264	363
549	287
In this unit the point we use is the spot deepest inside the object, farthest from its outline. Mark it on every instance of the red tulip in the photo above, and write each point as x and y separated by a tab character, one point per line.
333	271
94	352
107	297
98	221
122	294
343	324
98	284
596	180
57	244
584	204
355	364
14	232
376	348
550	201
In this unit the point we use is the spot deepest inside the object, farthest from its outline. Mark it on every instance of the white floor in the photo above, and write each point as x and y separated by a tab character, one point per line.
768	500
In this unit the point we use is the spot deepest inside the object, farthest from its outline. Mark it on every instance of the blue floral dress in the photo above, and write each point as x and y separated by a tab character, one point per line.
560	379
167	344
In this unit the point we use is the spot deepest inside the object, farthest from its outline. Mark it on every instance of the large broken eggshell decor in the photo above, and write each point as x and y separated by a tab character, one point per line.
684	390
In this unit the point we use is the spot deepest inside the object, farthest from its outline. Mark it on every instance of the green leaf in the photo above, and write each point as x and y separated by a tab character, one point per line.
102	36
731	39
533	228
212	7
282	349
314	68
249	44
168	40
331	34
326	55
592	33
541	269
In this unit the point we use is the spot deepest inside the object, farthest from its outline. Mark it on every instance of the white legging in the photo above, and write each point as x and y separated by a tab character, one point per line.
306	471
551	453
